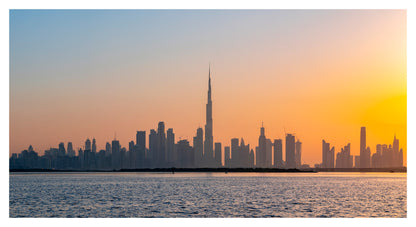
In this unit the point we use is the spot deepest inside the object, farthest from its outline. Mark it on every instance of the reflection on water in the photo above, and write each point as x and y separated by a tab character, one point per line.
208	195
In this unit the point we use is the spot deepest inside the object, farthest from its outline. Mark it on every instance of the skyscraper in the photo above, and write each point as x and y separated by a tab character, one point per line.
199	147
94	146
298	153
185	154
170	147
208	144
235	153
141	139
161	145
261	151
70	150
290	151
244	154
218	155
227	158
328	155
131	154
152	157
251	159
115	155
269	147
277	156
61	149
141	148
364	156
88	144
344	158
107	149
396	159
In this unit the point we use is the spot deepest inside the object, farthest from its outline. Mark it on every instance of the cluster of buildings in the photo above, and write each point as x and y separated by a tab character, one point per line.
385	156
164	152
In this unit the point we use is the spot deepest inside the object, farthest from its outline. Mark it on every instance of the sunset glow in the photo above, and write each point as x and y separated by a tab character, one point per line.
319	74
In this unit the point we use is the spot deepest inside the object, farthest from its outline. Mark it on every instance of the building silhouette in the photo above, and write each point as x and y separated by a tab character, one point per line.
70	150
328	155
269	147
278	155
164	152
298	154
198	143
227	157
115	155
344	158
153	146
364	152
94	146
218	155
209	141
170	148
235	153
387	156
261	150
244	154
290	151
161	145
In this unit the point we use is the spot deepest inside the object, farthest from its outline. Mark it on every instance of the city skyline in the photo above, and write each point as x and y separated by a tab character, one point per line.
98	99
164	152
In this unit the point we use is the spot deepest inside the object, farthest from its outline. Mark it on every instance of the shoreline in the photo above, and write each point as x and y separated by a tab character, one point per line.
226	170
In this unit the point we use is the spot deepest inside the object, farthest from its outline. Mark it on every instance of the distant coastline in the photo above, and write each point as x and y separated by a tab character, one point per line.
226	170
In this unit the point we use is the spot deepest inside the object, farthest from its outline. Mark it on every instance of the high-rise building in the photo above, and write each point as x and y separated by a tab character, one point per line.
364	155
227	157
161	145
344	158
290	151
107	149
396	156
140	149
269	146
235	153
70	150
198	144
401	158
357	161
131	154
328	155
170	148
278	155
208	143
244	154
141	139
123	158
261	151
218	155
185	154
153	145
94	146
88	144
251	159
115	155
298	154
61	149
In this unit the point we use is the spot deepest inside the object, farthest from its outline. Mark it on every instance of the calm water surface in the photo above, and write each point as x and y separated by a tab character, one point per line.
208	195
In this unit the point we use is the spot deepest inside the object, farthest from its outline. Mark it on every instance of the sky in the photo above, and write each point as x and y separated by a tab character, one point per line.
320	74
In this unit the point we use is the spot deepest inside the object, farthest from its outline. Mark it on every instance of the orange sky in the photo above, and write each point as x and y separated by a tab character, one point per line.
318	74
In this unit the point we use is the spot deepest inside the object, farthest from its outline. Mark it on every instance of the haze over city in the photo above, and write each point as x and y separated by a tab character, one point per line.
317	74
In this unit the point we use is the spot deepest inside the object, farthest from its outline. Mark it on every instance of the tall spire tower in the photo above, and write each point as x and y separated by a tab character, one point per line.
208	143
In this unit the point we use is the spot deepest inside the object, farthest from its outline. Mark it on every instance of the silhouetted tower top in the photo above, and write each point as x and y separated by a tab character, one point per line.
209	83
262	129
